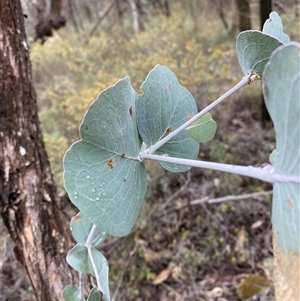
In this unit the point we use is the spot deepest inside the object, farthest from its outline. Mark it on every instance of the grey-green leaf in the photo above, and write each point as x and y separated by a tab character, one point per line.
163	107
103	278
78	259
281	86
203	129
272	157
254	49
103	175
81	227
71	293
273	27
94	295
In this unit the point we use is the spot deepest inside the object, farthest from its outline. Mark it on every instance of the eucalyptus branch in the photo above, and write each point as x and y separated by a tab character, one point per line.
266	174
245	81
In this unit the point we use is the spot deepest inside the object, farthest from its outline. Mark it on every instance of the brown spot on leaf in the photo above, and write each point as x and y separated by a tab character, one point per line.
110	163
169	130
123	155
291	202
130	111
124	180
86	127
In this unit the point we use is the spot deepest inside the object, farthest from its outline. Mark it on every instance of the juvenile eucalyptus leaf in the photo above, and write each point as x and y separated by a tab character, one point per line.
272	157
273	27
254	49
94	295
203	129
103	278
162	108
78	259
71	293
281	86
102	173
81	227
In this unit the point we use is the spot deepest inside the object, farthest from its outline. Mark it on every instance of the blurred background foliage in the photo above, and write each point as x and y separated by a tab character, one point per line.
176	251
73	66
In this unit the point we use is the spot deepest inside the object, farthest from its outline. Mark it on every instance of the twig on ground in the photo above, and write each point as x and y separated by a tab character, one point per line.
208	200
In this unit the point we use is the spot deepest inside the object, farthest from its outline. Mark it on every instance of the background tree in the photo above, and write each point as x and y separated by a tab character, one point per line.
29	203
48	19
244	14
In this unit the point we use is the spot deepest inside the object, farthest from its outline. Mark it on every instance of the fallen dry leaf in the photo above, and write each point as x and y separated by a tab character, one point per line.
252	285
161	277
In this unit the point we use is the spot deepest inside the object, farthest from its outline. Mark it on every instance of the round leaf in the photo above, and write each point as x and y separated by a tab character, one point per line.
273	27
103	175
71	293
78	259
162	108
81	227
94	295
203	129
254	50
281	86
103	278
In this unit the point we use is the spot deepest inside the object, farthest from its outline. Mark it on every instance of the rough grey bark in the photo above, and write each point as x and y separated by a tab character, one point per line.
29	201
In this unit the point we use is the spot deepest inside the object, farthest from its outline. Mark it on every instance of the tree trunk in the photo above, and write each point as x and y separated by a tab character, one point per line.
29	201
135	16
244	14
220	10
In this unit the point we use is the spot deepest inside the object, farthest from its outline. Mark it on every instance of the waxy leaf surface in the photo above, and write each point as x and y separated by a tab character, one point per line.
254	49
203	129
102	174
78	259
273	27
281	86
81	227
94	295
71	293
104	280
162	108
